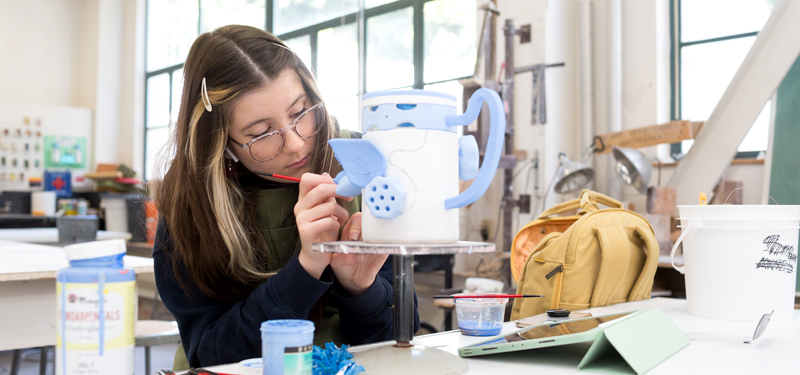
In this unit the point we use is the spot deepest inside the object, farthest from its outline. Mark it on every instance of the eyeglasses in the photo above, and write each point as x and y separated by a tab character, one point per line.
267	146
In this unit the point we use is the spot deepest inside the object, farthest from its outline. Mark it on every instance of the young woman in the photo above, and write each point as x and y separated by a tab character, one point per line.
233	247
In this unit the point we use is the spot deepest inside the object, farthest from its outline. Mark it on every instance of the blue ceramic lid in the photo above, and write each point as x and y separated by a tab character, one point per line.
419	109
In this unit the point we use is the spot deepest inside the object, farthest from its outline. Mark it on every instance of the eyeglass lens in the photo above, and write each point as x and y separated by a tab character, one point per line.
305	126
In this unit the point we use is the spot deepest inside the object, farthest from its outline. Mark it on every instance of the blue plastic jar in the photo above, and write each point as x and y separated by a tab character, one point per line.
96	294
287	347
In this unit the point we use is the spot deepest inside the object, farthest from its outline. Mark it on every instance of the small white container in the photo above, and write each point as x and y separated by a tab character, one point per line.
43	203
116	214
480	316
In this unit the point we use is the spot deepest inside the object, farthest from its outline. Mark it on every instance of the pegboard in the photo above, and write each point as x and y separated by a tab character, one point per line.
23	130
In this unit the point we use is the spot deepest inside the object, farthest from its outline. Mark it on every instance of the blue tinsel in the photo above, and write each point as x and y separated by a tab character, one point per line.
334	361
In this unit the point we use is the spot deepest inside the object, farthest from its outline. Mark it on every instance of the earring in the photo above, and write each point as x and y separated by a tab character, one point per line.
230	168
230	164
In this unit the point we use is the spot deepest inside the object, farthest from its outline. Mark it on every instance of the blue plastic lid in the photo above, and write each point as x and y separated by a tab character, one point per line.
287	326
95	249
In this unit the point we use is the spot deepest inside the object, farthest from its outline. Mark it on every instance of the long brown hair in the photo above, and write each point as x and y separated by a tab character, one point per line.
211	218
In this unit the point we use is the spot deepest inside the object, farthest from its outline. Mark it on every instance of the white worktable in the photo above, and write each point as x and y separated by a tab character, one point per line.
716	347
28	292
50	235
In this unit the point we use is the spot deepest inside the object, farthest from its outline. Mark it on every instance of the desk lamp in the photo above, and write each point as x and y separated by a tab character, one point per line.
633	167
570	177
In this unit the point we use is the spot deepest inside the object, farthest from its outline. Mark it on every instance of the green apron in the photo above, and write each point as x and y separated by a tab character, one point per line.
276	222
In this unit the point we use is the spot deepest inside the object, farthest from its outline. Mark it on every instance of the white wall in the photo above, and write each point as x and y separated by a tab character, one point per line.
84	68
81	53
108	86
645	73
562	131
131	132
37	42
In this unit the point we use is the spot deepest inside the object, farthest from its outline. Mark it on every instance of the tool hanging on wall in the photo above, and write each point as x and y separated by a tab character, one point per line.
539	95
535	95
539	104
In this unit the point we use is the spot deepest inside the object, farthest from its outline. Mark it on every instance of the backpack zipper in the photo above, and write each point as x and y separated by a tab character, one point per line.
556	301
556	270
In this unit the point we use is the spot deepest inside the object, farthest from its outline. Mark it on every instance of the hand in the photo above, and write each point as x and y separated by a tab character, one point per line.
319	218
356	272
352	230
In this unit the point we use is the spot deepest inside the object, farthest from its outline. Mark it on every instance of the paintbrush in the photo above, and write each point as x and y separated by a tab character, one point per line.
295	179
490	296
202	371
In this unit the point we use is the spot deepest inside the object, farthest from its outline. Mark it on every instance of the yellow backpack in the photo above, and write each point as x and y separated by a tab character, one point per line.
603	257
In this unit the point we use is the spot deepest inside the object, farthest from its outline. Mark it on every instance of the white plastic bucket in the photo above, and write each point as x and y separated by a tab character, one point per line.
740	261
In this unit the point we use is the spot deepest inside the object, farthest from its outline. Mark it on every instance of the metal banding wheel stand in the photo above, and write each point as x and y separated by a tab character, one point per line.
403	357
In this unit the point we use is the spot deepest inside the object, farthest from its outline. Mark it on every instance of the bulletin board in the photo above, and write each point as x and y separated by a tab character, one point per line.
38	137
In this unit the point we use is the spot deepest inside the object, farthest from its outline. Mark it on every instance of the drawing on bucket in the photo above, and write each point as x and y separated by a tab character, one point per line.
775	249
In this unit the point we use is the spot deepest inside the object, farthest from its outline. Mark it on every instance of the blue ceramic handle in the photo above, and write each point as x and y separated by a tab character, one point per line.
493	147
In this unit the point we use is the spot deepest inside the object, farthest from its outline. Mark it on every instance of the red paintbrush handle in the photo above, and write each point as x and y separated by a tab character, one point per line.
202	371
285	177
490	296
277	176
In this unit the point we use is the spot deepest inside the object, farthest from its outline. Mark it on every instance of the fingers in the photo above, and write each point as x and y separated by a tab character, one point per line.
322	211
309	181
352	231
325	193
319	219
322	230
319	194
316	188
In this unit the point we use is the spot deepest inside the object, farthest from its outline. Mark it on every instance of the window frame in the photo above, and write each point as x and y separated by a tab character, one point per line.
676	45
313	32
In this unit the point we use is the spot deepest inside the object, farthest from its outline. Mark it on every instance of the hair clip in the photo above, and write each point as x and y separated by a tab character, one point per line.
284	47
204	95
292	52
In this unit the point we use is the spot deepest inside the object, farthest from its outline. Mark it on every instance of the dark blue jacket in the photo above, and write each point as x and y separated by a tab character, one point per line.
215	332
